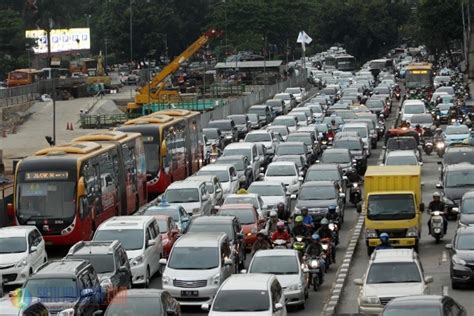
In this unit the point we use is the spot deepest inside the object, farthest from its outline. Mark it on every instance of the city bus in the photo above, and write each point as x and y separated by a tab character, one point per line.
419	75
21	77
67	191
173	146
130	156
345	63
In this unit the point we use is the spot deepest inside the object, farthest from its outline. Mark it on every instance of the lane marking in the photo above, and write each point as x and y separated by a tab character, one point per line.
444	290
444	256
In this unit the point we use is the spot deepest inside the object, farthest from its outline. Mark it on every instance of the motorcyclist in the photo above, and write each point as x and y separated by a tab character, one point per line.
271	225
281	233
325	233
403	124
299	229
333	125
385	242
282	213
419	130
261	243
215	150
332	215
437	205
307	219
314	250
242	191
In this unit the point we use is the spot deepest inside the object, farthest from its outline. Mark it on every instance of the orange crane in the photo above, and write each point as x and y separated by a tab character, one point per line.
155	91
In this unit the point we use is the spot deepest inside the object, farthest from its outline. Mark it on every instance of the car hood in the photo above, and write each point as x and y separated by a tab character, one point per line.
55	307
288	279
467	255
393	289
272	200
467	219
315	204
131	254
11	258
190	275
455	194
284	180
457	137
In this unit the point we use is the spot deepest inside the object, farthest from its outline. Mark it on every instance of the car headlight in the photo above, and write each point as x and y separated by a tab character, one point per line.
294	287
137	260
22	263
166	279
196	210
370	300
371	234
228	136
412	232
216	280
459	261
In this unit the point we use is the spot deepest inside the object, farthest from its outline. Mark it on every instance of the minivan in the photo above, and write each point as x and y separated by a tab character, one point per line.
197	266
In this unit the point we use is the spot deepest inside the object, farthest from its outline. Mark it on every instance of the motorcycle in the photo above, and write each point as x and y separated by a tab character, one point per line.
213	157
355	194
437	225
428	146
280	244
334	227
327	248
315	272
299	245
440	148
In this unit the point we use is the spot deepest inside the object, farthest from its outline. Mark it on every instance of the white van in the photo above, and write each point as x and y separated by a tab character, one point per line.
412	107
197	266
140	236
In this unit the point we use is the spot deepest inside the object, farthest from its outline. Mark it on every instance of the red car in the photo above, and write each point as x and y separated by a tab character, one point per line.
249	220
169	232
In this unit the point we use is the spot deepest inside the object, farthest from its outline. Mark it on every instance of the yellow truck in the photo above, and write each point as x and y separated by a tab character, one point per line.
393	205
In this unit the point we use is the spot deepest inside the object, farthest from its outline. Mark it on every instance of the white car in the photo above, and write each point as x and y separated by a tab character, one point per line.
411	107
248	150
227	176
271	192
289	121
249	198
290	101
140	236
248	294
391	273
362	129
297	92
402	158
192	195
22	252
285	172
265	137
302	117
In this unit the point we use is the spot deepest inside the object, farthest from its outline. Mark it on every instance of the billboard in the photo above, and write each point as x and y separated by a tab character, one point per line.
62	40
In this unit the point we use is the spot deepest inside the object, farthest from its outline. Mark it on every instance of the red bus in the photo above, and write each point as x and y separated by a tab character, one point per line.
173	146
130	155
68	190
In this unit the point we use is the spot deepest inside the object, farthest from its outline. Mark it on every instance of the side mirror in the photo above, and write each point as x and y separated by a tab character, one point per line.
428	279
33	249
151	242
227	262
359	208
205	307
358	282
448	246
278	307
87	292
163	261
439	185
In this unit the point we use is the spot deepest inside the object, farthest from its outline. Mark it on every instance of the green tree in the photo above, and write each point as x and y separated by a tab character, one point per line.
12	41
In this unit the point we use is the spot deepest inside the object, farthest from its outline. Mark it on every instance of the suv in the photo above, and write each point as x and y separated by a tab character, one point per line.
66	284
192	195
23	252
223	224
110	262
391	273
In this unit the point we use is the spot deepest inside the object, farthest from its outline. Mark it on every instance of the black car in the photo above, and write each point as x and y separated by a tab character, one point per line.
143	302
242	122
462	257
228	130
66	283
357	150
433	305
327	172
110	262
466	209
214	135
311	142
457	180
223	224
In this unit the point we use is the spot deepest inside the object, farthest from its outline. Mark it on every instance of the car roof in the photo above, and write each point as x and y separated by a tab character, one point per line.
16	231
460	166
259	131
276	252
248	281
465	230
200	239
188	183
324	183
401	153
355	124
259	106
248	194
206	178
138	293
239	145
468	195
221	120
349	138
125	222
216	167
291	144
64	267
419	300
281	163
393	255
213	219
236	206
336	150
324	166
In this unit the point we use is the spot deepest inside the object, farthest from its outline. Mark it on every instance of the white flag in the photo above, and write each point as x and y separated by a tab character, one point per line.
304	38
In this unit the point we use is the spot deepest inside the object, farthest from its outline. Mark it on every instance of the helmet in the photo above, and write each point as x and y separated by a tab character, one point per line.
242	191
280	225
262	232
299	219
384	237
418	126
315	237
304	209
280	205
324	221
332	208
436	194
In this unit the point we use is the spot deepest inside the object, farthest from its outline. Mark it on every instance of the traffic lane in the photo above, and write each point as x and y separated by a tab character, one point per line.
316	300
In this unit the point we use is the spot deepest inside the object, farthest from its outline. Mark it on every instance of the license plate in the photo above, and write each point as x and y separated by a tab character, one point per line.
189	293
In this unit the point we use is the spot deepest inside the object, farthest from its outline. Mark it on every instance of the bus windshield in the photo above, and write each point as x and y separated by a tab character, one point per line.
418	79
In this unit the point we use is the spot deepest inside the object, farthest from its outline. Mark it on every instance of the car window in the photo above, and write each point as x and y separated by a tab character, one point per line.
156	227
151	232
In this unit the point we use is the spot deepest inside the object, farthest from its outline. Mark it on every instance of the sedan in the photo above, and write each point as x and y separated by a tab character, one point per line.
457	134
340	156
462	251
271	193
293	148
417	305
248	198
402	158
284	172
242	166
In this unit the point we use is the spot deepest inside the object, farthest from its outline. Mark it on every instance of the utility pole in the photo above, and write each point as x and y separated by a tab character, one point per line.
265	59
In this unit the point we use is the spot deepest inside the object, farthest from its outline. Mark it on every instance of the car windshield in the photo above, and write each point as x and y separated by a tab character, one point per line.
172	212
456	130
231	301
453	157
393	272
222	175
287	149
131	239
421	119
163	225
336	157
282	130
242	199
444	106
182	195
258	111
351	145
213	227
253	117
211	133
245	216
401	160
317	193
412	310
12	245
247	152
414	109
46	199
322	128
52	289
361	130
323	175
306	139
267	190
401	144
391	206
239	119
194	258
280	171
222	125
282	96
285	121
237	163
258	137
274	265
101	263
131	305
465	242
461	178
467	206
